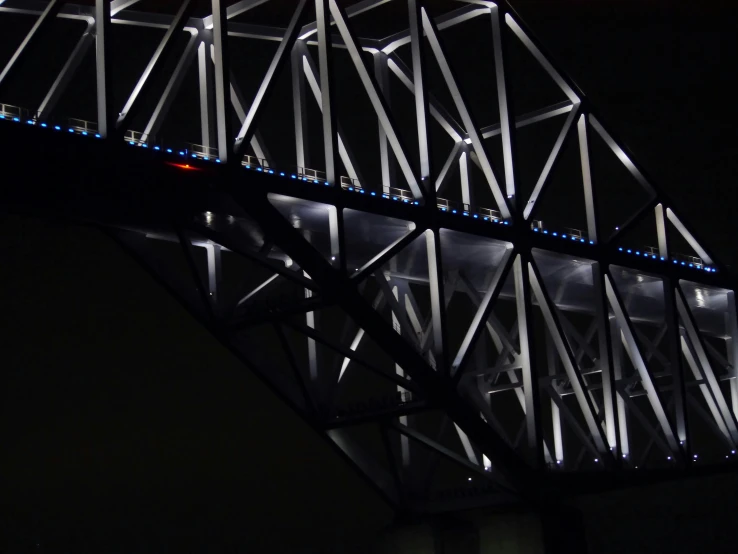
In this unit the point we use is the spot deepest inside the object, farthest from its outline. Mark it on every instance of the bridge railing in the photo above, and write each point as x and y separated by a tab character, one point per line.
202	151
453	206
8	111
82	125
347	183
311	174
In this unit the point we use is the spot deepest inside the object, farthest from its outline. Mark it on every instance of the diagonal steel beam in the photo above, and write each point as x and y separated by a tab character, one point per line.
386	254
280	57
462	108
48	15
376	98
67	72
480	317
145	80
567	360
629	340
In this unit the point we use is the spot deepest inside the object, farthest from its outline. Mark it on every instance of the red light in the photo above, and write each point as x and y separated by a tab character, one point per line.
187	167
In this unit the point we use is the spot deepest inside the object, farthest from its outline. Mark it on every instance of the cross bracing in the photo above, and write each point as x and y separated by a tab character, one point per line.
454	302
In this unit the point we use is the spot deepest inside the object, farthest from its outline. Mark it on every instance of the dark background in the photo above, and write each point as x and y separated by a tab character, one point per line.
124	424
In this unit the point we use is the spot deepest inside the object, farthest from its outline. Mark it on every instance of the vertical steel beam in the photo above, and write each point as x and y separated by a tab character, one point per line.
421	101
299	106
524	305
48	15
447	168
675	361
215	275
65	75
731	344
221	59
325	64
438	308
606	364
558	436
589	199
661	231
617	373
381	73
465	174
102	75
502	101
206	82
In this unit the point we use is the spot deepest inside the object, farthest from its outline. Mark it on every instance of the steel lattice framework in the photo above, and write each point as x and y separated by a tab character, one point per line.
457	354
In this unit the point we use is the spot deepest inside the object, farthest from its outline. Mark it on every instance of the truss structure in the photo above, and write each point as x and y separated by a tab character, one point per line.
456	291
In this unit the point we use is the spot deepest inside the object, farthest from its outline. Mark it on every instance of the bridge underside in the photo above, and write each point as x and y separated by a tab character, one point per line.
456	354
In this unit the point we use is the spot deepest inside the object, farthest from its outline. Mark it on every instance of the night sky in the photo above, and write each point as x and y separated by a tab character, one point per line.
124	423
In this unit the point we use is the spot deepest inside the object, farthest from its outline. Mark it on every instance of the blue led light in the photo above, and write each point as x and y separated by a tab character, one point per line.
545	232
690	265
315	181
44	125
30	121
71	130
476	216
98	135
654	256
144	144
182	154
675	262
638	253
16	119
405	200
573	238
217	160
194	155
169	150
591	242
506	223
373	193
206	158
259	169
621	248
486	218
582	240
293	176
535	229
662	258
305	179
555	234
157	147
130	142
683	263
443	209
2	116
271	171
327	184
351	188
466	214
629	251
57	128
394	198
416	202
385	196
85	134
281	173
714	270
563	236
453	211
361	191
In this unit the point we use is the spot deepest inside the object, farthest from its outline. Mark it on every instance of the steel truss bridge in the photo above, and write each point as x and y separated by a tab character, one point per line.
402	271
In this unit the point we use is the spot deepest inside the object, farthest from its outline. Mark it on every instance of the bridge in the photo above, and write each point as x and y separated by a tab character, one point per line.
449	267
